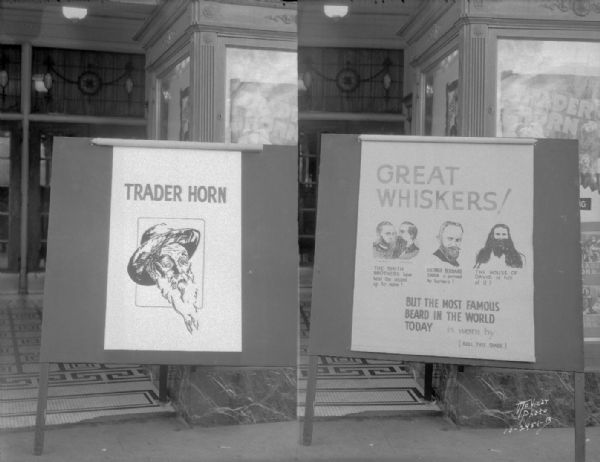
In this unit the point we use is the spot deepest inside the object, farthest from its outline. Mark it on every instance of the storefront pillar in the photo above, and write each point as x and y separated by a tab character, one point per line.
25	108
474	113
222	71
203	82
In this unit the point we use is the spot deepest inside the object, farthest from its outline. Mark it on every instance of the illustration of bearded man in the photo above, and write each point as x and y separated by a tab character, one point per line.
450	238
163	259
406	247
499	250
385	245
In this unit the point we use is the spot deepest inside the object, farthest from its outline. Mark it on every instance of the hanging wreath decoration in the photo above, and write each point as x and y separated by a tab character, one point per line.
348	79
89	83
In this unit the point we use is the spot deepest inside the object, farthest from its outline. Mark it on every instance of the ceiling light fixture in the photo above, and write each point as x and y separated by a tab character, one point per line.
74	13
335	11
38	83
3	76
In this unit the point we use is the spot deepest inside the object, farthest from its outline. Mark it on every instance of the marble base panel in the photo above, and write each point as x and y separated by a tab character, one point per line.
514	400
229	396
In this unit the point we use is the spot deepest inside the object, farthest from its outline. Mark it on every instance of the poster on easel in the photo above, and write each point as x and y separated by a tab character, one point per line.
174	259
444	254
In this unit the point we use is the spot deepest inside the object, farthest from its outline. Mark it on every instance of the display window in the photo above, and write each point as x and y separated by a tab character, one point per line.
261	96
551	89
441	97
175	108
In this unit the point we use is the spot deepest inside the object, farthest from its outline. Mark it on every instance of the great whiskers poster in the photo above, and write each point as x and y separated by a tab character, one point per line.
444	253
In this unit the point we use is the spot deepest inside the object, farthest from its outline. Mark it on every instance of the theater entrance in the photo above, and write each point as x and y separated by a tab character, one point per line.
25	197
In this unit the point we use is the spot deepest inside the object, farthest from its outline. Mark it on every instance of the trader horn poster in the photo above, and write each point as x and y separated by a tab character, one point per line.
174	259
444	254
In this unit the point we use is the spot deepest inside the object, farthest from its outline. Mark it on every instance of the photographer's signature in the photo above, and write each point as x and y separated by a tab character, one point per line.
530	414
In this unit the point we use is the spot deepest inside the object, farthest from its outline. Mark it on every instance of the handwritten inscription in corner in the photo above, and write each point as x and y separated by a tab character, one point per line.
530	414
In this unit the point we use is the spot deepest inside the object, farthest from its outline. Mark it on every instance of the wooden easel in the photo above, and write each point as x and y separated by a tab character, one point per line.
309	406
556	302
80	214
42	404
579	416
311	389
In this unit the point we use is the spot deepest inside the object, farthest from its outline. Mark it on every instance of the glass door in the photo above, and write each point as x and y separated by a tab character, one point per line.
40	170
41	148
10	205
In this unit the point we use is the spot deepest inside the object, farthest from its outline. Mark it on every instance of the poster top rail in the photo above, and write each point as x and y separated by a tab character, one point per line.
170	144
447	139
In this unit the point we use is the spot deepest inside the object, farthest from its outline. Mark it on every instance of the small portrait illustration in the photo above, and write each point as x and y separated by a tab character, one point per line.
590	299
385	243
499	250
406	247
586	171
450	239
452	108
590	253
163	260
597	173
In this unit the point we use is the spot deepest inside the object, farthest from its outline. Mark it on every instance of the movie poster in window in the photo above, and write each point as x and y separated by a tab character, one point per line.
559	106
264	113
452	109
552	90
185	115
590	275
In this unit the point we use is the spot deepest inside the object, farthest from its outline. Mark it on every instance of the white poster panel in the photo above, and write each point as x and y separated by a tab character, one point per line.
444	253
174	259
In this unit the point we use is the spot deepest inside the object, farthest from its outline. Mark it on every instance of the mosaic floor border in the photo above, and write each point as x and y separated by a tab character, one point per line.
348	386
77	392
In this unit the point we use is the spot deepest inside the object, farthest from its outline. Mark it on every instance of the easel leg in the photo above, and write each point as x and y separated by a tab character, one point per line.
309	407
163	374
428	381
579	417
40	418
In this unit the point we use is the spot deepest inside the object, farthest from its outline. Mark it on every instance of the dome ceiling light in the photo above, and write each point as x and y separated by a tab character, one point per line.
74	13
335	11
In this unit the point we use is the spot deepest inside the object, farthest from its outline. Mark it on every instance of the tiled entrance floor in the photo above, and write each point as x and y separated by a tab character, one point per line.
76	392
350	386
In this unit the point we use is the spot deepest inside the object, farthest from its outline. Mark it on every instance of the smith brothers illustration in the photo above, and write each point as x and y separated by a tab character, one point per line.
163	259
399	244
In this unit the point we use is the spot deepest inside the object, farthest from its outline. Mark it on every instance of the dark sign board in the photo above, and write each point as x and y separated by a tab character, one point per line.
552	252
171	255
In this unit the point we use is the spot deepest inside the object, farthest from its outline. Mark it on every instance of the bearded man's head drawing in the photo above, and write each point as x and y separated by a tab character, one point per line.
163	259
